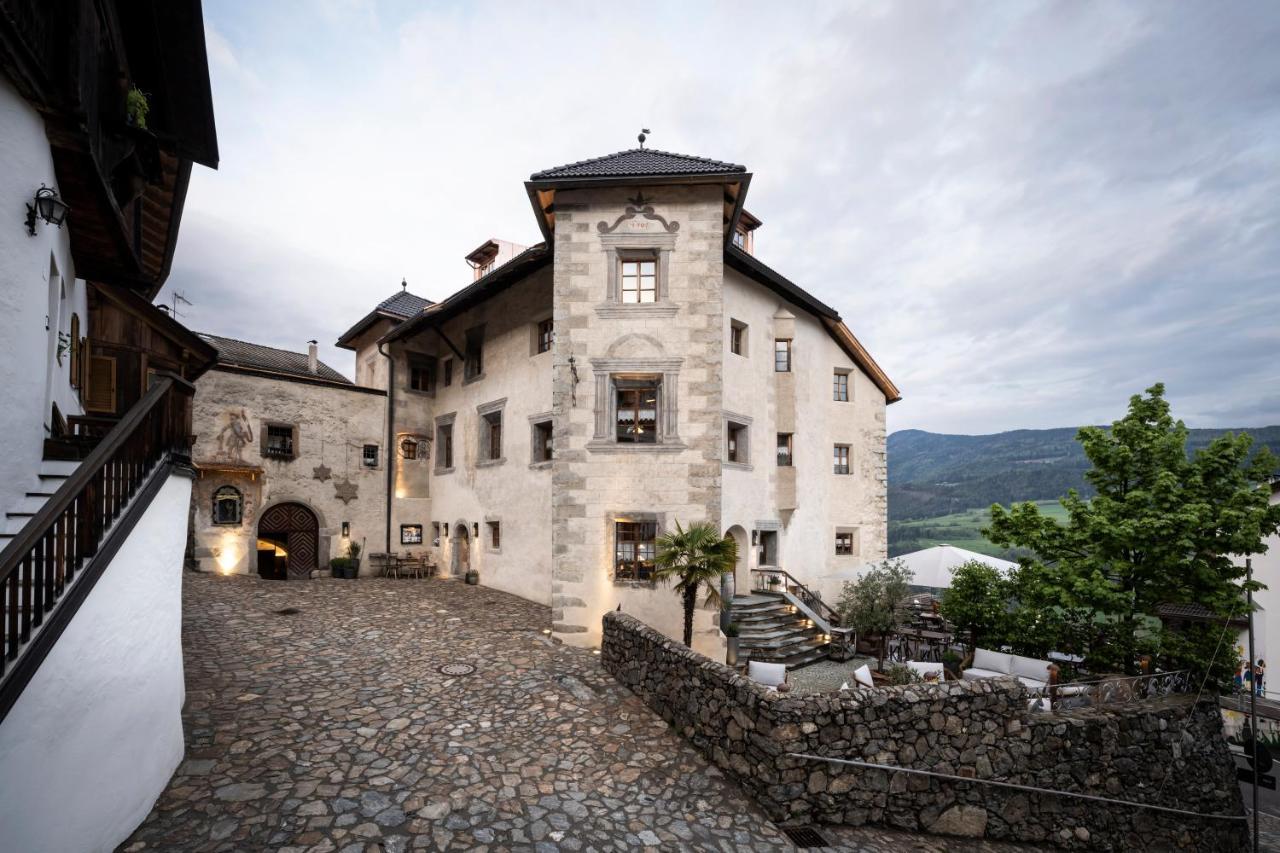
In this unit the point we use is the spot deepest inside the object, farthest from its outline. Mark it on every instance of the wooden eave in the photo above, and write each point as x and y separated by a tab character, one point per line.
199	354
347	339
861	357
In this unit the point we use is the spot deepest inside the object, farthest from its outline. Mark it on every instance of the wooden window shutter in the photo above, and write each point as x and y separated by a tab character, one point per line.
100	389
75	350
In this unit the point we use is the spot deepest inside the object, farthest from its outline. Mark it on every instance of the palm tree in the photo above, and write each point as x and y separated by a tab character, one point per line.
695	556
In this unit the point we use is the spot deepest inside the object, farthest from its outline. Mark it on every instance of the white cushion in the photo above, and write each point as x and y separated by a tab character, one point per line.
975	674
844	685
768	674
993	661
1031	682
924	668
862	675
1030	668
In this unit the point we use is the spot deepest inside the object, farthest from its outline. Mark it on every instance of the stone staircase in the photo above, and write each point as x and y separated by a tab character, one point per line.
769	631
52	473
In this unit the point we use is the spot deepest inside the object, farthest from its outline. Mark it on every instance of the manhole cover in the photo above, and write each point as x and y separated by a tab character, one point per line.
804	837
457	669
288	611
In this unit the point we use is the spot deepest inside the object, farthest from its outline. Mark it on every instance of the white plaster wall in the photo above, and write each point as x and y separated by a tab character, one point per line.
826	500
28	297
94	738
1266	626
333	425
515	493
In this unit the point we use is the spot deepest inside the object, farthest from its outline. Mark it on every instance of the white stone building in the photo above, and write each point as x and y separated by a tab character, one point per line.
637	368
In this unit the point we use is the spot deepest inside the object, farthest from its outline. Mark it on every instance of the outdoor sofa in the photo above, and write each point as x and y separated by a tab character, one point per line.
1032	672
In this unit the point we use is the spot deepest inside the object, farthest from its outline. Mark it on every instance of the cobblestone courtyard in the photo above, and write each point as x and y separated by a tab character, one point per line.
332	728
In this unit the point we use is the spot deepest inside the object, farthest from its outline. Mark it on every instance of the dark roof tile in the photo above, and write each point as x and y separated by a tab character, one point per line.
402	303
233	353
638	162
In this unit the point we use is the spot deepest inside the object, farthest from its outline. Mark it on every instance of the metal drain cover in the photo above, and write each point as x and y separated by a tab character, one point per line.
457	669
288	611
804	837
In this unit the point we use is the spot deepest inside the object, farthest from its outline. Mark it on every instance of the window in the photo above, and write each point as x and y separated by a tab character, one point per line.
841	459
546	335
279	441
474	368
409	447
75	350
637	418
228	505
639	280
435	533
444	443
422	373
737	338
370	456
495	535
784	449
448	372
491	435
735	442
542	448
634	550
740	238
840	390
844	542
411	534
782	355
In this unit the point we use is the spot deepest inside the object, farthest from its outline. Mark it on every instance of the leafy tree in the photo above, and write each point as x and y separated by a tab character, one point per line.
869	605
694	556
977	601
1161	528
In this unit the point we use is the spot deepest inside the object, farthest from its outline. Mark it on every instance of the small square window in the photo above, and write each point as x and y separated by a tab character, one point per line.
784	449
279	443
546	335
634	550
737	338
422	374
841	459
408	447
844	543
542	447
782	355
639	280
370	456
840	388
735	442
448	372
495	535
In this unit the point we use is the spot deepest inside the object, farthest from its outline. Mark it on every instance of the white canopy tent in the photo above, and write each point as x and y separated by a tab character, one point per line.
931	567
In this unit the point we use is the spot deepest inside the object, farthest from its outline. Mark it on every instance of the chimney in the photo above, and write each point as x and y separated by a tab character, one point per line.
313	362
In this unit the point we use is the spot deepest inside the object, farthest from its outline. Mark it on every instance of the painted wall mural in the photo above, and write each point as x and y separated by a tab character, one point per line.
234	436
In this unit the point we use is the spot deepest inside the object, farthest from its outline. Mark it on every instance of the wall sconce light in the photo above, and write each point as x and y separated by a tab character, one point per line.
346	529
48	207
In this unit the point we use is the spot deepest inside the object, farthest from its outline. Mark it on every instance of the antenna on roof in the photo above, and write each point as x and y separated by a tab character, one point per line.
178	297
644	134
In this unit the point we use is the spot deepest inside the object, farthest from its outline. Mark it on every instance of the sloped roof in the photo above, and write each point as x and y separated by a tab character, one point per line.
638	162
397	307
402	303
242	354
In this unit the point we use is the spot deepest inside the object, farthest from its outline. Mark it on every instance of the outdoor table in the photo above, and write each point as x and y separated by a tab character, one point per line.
930	640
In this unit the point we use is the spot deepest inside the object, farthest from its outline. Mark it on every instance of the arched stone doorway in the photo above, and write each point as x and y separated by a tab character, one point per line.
461	548
288	542
741	583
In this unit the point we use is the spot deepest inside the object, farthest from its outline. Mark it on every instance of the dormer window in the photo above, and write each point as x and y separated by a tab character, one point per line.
744	233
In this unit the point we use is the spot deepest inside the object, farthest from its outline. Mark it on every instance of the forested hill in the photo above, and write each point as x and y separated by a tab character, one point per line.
932	474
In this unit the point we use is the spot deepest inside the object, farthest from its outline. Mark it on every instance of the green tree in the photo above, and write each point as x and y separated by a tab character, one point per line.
695	556
869	605
1161	528
977	601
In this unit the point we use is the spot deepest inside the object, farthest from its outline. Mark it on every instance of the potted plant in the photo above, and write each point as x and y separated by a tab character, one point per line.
472	577
338	566
731	643
773	580
353	561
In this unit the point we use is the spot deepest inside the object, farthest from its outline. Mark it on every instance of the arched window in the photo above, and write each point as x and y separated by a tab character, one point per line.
228	505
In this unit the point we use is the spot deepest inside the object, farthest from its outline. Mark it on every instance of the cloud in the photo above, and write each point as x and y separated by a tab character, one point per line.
1026	211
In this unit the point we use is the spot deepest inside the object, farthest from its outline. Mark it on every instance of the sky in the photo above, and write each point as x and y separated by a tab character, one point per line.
1026	211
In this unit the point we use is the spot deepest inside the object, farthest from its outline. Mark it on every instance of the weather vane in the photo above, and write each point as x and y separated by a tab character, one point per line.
644	134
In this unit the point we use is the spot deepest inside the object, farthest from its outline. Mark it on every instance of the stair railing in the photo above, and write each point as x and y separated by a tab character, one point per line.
783	582
48	568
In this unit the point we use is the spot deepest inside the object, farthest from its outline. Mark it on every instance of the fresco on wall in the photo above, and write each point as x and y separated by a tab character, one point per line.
235	435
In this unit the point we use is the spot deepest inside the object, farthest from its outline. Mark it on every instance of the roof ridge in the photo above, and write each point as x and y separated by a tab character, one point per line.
736	167
251	343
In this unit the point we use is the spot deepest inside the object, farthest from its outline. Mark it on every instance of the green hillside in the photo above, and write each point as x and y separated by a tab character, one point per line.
960	529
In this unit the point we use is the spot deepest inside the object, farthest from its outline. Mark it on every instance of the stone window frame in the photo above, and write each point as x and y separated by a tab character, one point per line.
658	519
489	522
265	432
377	455
791	449
227	492
427	363
740	328
789	349
848	459
855	535
473	344
607	371
620	247
534	422
445	421
483	411
732	419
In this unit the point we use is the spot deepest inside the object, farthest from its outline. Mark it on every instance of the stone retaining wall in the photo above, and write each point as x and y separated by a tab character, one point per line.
1170	753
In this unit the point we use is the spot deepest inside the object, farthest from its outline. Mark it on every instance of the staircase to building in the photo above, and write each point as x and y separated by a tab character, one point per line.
772	629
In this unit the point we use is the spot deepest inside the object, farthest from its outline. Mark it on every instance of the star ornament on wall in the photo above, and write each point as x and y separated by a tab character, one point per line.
344	490
321	472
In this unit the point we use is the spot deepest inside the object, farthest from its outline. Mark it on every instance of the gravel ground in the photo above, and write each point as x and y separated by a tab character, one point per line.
825	676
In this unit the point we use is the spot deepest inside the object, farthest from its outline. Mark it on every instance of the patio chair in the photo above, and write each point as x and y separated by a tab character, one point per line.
770	675
928	670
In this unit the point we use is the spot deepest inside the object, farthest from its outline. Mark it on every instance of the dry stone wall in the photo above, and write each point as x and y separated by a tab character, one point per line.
1169	753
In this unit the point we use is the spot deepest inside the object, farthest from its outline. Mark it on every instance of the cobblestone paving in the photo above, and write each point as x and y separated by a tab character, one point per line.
332	729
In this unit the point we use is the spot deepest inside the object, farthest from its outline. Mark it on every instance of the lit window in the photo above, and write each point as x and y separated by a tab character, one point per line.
634	550
546	335
841	459
228	505
844	543
639	281
409	447
782	355
840	389
370	456
784	450
637	421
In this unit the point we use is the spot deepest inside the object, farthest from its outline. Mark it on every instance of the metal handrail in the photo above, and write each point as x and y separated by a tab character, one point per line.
1116	690
810	599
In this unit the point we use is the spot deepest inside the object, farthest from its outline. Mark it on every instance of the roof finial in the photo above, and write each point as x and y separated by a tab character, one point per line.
644	134
404	284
